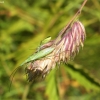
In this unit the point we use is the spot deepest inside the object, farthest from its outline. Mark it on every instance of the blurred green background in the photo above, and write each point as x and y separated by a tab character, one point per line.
23	24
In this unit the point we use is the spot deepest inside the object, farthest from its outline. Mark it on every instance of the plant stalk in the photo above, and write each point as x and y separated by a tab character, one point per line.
73	18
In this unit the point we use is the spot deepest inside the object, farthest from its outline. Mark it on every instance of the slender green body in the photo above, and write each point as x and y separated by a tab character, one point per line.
38	55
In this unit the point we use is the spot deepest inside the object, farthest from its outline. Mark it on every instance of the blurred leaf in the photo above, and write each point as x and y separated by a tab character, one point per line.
19	26
51	88
94	40
83	77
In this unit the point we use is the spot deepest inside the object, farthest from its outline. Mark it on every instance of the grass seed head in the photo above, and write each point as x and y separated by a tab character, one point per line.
64	48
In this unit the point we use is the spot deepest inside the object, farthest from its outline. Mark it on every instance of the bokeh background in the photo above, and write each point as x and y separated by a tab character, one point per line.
23	25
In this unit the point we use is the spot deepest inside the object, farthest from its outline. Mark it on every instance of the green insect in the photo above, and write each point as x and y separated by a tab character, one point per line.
43	42
46	40
40	53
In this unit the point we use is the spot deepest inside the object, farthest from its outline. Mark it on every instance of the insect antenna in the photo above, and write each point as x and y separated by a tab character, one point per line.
12	76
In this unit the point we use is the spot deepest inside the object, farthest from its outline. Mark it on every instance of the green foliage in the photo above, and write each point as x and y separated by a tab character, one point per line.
52	89
23	25
83	77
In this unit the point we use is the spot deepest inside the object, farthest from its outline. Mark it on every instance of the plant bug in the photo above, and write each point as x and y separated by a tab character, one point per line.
41	52
38	55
